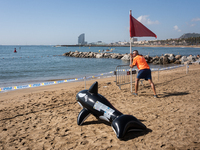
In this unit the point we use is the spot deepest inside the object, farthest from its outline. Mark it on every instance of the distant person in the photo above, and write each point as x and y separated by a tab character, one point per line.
144	71
15	51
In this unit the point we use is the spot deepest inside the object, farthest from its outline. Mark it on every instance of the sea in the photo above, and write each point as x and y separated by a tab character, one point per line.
35	64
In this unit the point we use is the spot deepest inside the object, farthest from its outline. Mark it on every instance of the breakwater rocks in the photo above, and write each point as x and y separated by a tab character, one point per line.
164	59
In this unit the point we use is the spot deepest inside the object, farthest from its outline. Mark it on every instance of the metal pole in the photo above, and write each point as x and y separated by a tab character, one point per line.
158	74
116	74
85	82
187	68
130	64
131	61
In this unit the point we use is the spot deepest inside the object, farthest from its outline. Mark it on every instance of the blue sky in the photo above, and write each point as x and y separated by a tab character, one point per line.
52	22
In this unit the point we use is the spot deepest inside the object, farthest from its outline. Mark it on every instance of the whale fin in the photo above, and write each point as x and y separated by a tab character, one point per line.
125	123
94	88
83	115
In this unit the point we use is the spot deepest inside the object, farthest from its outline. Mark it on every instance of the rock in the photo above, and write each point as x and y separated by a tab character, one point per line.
76	54
164	60
183	59
169	55
126	57
178	56
91	55
167	58
119	56
114	56
156	58
166	55
107	55
172	59
71	53
66	54
191	58
148	58
156	62
177	62
99	55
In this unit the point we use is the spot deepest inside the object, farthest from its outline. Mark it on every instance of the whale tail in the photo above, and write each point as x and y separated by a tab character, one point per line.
125	123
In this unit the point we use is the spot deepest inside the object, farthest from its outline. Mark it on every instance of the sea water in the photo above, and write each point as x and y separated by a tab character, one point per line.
35	64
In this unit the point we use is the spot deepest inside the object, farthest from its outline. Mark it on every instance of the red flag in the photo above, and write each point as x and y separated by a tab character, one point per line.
137	29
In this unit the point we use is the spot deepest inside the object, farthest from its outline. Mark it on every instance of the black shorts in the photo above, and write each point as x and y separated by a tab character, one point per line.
144	74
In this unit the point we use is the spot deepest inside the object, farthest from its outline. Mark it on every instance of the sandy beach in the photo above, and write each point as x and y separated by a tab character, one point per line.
46	117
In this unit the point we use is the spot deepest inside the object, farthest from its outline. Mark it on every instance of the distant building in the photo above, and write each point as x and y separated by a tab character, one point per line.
134	39
81	39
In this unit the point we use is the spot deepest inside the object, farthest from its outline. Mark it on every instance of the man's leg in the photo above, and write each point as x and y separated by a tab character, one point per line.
136	84
152	86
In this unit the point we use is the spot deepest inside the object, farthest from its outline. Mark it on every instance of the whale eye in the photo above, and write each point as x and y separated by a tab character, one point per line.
81	95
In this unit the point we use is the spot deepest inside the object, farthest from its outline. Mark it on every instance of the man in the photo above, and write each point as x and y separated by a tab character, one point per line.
144	71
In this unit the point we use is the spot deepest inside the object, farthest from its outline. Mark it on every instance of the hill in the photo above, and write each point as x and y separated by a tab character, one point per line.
189	35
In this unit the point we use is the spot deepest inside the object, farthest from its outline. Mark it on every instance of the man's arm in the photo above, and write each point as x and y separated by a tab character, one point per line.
131	57
132	66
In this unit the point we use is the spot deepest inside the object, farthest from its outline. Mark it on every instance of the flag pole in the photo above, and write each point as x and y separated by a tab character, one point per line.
131	61
131	68
137	29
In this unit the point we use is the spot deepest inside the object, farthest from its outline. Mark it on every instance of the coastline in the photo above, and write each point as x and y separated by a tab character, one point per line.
108	45
190	46
45	117
46	71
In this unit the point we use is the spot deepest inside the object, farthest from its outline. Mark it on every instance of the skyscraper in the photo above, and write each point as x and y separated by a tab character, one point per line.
81	39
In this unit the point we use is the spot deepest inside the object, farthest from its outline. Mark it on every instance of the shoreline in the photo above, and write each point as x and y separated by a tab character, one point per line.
70	80
54	82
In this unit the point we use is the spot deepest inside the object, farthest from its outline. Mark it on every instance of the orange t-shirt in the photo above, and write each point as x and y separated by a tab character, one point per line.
140	62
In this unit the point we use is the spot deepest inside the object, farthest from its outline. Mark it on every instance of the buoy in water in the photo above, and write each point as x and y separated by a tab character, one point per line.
15	51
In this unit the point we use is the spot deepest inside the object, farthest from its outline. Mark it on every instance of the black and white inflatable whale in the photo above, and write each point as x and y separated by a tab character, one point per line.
100	107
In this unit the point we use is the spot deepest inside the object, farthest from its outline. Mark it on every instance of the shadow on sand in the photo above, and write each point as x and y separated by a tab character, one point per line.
173	94
128	136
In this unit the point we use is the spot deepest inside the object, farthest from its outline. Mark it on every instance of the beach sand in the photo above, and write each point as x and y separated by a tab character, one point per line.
46	117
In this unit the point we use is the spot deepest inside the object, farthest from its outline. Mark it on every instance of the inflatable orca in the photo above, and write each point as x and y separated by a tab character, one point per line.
100	107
